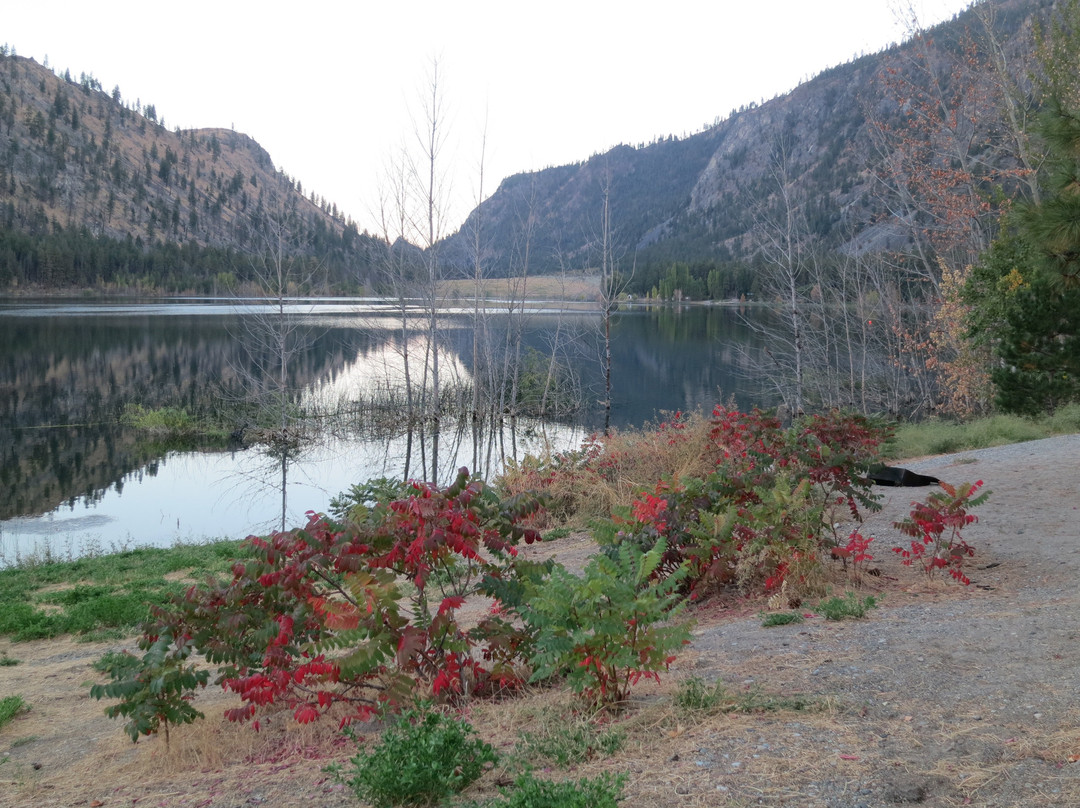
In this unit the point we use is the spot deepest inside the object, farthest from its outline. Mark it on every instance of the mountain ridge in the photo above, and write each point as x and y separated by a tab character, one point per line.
707	199
77	161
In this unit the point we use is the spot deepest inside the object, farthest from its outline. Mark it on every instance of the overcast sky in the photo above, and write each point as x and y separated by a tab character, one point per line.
330	87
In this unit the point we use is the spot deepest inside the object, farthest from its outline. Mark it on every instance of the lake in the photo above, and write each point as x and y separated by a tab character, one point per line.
74	479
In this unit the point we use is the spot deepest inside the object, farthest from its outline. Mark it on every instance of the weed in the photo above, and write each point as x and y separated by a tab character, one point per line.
837	608
562	742
26	740
694	696
10	706
530	792
556	533
773	619
422	758
7	661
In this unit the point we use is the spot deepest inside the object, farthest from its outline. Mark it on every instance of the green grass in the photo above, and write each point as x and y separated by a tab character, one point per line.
945	437
10	706
780	619
560	739
837	608
102	597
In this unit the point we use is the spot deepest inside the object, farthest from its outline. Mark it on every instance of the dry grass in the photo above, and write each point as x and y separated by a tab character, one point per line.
589	486
570	287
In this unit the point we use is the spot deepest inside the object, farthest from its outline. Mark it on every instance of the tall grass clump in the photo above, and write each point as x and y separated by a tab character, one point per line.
10	706
607	471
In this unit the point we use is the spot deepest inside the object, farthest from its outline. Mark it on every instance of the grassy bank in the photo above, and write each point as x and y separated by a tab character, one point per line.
945	437
103	597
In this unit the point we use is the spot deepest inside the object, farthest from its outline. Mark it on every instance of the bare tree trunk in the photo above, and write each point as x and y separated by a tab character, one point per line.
432	139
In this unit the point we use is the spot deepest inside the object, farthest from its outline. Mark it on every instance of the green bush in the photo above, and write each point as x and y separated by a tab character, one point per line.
608	628
422	758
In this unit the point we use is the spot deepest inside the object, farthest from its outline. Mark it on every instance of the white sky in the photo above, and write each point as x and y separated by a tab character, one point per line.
330	87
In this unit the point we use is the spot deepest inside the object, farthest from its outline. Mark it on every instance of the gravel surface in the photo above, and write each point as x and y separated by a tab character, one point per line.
946	695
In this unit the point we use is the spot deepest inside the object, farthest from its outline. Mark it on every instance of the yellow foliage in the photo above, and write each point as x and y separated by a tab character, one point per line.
962	367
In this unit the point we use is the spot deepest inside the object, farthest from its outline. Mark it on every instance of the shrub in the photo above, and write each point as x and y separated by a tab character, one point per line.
608	628
362	612
935	526
767	512
155	690
423	757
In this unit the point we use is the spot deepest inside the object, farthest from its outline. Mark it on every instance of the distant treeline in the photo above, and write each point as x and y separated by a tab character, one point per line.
696	280
77	259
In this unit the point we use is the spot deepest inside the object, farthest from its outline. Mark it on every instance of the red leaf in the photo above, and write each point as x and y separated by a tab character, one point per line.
453	602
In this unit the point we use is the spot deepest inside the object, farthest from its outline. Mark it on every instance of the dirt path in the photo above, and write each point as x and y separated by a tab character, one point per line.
944	696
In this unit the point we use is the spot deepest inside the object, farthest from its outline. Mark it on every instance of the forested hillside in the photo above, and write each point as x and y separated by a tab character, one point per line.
96	191
870	154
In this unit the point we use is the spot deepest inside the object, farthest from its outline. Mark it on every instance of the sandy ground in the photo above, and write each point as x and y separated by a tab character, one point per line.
945	696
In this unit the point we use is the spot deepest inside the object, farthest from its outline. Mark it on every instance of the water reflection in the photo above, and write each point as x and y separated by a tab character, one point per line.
191	496
72	473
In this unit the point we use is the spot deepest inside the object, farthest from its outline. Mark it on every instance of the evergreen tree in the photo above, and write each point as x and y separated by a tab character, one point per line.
1027	290
1053	226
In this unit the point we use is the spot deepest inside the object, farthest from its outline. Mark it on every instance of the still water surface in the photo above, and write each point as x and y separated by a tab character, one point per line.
73	479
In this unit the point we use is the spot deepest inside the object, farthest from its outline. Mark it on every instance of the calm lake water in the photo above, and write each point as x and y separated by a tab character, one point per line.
74	479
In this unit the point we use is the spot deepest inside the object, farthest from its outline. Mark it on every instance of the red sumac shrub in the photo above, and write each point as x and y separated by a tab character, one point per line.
365	611
770	508
935	527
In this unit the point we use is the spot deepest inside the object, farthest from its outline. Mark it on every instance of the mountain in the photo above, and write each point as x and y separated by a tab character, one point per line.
96	191
908	149
701	198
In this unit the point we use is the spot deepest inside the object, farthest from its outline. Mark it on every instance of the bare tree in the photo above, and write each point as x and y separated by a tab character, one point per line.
273	337
612	286
433	190
784	244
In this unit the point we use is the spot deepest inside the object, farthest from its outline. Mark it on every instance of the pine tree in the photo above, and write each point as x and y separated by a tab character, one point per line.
1028	288
1053	227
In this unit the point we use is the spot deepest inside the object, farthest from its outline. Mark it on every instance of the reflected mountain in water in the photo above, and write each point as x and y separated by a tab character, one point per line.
67	373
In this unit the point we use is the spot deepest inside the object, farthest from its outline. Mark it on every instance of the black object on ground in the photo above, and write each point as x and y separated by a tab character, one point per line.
891	475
